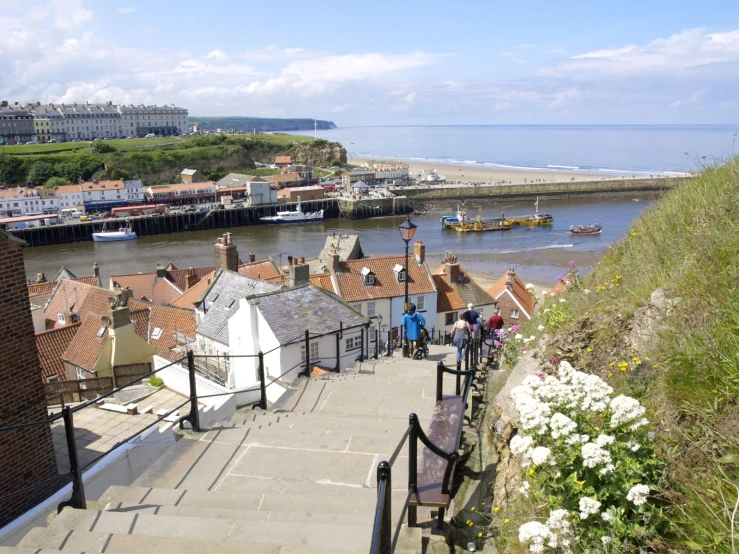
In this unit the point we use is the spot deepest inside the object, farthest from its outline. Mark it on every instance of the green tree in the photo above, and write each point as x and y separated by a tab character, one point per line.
336	163
11	170
103	147
39	173
56	182
119	174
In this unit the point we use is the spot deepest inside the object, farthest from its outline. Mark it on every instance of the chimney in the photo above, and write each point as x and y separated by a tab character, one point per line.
161	272
190	279
419	250
334	262
298	273
96	270
252	257
119	313
510	278
227	257
40	278
451	269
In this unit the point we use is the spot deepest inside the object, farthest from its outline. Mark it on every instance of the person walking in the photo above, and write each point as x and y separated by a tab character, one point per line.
472	316
495	324
460	330
413	321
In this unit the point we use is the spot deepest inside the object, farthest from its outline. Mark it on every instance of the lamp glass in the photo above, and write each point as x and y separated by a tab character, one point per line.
407	229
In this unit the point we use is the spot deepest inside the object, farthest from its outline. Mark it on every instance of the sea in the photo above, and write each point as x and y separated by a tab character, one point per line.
610	149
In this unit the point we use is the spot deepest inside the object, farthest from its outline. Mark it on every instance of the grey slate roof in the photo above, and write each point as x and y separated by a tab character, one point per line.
290	312
234	180
221	301
360	185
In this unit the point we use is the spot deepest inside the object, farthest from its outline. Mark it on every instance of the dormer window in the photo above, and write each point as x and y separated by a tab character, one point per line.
368	277
61	318
400	273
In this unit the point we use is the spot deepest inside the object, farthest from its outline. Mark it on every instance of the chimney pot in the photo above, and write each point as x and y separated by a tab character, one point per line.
252	257
96	269
302	259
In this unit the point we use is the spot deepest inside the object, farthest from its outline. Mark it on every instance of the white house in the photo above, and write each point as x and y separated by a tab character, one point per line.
276	323
70	196
20	201
375	287
134	191
456	290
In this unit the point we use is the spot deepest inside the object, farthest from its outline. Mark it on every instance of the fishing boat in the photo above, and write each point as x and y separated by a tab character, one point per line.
123	233
298	216
585	229
479	225
532	220
451	221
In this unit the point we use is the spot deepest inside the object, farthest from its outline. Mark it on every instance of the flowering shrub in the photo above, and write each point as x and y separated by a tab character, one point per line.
555	312
585	455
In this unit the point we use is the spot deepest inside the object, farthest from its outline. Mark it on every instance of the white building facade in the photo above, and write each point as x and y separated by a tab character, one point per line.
134	191
17	202
160	120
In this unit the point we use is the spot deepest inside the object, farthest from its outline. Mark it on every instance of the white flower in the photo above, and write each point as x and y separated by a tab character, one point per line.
593	455
540	327
529	286
545	311
534	534
562	300
625	410
638	494
532	337
633	445
539	455
561	425
526	341
604	440
518	336
559	520
608	469
520	444
586	291
605	540
525	488
605	516
588	506
643	421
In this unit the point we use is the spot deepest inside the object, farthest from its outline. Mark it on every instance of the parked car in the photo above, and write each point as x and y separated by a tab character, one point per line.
85	218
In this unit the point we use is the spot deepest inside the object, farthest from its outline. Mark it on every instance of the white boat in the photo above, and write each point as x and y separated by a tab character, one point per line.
124	233
298	216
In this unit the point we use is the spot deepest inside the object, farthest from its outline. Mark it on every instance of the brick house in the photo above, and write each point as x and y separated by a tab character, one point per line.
282	161
26	455
515	303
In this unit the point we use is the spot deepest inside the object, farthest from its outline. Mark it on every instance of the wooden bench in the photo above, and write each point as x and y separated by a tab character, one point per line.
435	469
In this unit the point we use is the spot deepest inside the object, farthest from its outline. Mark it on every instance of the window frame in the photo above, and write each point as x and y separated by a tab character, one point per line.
514	313
451	320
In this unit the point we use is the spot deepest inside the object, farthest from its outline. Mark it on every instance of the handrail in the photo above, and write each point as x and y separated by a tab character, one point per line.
383	511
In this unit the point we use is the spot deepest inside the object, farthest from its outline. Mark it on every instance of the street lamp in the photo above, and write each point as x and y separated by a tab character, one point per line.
407	230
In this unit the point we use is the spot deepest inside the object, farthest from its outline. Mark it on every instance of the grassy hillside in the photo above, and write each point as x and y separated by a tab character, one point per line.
157	159
681	362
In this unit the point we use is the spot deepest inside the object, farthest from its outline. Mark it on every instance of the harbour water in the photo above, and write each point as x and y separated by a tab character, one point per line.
539	254
607	150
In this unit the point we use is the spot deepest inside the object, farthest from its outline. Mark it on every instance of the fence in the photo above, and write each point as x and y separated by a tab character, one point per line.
125	372
64	392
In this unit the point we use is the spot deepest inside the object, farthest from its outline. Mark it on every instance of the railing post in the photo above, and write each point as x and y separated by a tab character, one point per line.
385	544
77	500
377	343
307	353
361	344
467	355
337	369
439	381
412	465
262	383
194	417
389	343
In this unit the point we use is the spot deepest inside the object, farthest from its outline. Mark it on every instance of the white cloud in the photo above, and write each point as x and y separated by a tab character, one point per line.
70	14
126	11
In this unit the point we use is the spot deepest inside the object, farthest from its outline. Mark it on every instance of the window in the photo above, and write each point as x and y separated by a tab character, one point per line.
370	309
357	307
313	351
52	379
514	314
420	302
81	373
61	318
156	333
451	318
400	272
368	277
353	343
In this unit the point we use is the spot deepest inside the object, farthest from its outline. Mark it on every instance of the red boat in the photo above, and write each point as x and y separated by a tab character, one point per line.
585	230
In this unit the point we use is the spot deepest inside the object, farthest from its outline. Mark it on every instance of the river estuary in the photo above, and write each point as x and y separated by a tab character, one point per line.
539	254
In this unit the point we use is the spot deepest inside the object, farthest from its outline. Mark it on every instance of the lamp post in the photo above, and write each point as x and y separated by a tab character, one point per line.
407	230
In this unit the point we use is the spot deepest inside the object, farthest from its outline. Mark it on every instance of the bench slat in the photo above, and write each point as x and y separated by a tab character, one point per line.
446	425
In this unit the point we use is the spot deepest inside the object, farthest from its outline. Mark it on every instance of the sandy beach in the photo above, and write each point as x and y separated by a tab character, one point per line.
477	174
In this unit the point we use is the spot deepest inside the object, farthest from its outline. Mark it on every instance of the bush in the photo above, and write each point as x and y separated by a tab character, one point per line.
11	170
117	174
336	163
56	182
40	173
103	147
155	381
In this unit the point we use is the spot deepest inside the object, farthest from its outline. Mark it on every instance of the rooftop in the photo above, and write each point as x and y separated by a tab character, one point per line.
456	295
524	298
51	346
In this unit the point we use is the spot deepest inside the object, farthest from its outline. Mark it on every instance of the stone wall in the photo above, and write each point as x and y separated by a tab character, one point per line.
26	455
543	190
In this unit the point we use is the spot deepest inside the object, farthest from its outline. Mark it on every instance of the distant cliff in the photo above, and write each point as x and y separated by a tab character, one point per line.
263	124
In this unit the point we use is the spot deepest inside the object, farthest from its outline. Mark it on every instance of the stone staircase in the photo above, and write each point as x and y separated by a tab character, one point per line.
299	478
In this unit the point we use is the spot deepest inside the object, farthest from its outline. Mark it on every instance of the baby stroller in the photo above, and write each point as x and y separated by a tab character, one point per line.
423	345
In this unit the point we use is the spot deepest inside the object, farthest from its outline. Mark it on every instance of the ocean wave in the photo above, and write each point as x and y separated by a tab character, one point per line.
551	246
631	171
563	166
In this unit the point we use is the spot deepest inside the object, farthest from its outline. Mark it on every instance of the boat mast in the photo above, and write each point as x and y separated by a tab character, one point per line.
537	205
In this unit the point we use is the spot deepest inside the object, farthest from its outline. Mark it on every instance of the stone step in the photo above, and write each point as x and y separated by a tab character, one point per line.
275	533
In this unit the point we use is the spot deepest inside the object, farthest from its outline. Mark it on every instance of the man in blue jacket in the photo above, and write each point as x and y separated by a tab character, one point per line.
413	321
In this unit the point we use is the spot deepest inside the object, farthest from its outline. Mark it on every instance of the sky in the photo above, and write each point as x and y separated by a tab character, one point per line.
383	63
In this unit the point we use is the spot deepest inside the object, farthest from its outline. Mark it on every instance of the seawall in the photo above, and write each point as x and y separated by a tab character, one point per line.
543	190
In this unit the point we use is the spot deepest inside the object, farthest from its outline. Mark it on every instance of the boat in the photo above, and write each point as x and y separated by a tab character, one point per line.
585	230
298	216
532	220
451	221
123	233
479	225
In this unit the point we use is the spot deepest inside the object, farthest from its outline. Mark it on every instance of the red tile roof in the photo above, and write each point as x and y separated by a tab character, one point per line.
194	294
282	159
456	296
323	281
261	269
352	288
147	286
170	321
523	297
51	346
77	297
85	348
39	289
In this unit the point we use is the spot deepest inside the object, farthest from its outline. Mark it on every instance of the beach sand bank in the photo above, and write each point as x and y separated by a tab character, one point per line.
476	174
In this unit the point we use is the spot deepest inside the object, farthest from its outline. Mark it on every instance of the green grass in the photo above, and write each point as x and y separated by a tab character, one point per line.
688	245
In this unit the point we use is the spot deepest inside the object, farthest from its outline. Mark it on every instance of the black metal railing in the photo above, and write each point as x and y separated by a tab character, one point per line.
384	535
75	474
